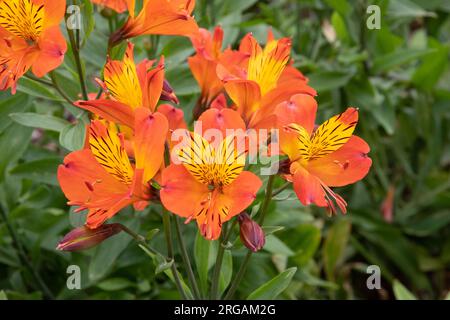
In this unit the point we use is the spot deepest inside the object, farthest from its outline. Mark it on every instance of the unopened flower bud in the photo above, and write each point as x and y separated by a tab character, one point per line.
252	235
83	238
167	93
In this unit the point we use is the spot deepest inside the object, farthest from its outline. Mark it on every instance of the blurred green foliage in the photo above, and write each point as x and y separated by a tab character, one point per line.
399	78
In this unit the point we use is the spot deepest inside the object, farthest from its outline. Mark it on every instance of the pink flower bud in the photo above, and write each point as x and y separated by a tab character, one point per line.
83	238
252	235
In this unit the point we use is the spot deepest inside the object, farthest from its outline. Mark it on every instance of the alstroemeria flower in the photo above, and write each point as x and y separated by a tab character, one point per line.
162	17
117	5
102	179
262	80
30	38
128	86
203	64
328	156
210	185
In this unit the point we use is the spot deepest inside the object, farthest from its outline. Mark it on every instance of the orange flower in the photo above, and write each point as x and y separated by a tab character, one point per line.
204	63
102	179
29	38
128	87
163	17
117	5
258	79
328	156
210	185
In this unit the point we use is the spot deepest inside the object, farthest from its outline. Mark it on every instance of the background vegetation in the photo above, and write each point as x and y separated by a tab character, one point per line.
399	78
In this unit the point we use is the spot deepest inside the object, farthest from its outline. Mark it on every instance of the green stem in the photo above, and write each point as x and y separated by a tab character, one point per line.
34	78
58	88
281	189
52	84
168	236
186	260
240	274
139	239
22	255
74	44
218	266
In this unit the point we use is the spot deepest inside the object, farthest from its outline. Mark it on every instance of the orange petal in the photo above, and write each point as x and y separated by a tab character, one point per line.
108	149
106	209
152	85
54	12
222	120
308	188
175	116
82	177
333	134
345	166
204	72
150	136
181	193
122	80
242	192
301	109
119	6
110	110
52	47
246	95
159	17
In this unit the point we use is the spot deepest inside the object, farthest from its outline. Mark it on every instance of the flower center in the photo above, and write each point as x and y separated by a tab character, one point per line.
22	18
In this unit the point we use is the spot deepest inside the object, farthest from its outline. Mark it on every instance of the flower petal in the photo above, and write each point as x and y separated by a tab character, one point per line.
345	166
246	95
52	47
242	191
110	110
150	136
301	109
181	193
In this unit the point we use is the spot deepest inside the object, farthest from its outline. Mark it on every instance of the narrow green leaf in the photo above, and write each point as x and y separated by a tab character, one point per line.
226	272
35	120
401	292
43	170
204	254
391	60
334	246
274	287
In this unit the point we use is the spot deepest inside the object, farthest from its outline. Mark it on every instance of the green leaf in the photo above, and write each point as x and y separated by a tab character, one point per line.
72	136
36	89
17	103
391	60
428	224
343	7
43	170
35	120
3	295
88	18
339	26
114	284
401	292
235	6
276	246
305	241
407	9
334	246
204	254
329	80
274	287
107	253
226	272
433	67
13	143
